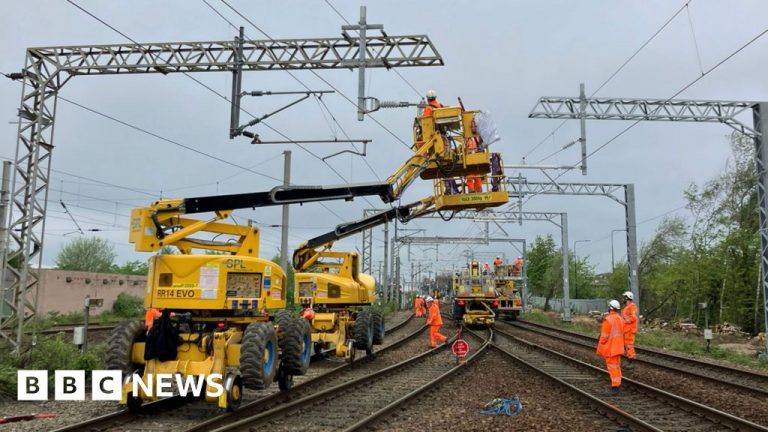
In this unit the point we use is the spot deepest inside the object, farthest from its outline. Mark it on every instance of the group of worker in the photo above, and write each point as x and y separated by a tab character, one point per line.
473	144
429	307
517	267
617	333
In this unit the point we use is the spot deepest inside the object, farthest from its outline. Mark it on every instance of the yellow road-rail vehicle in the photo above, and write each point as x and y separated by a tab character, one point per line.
475	298
335	296
223	312
506	278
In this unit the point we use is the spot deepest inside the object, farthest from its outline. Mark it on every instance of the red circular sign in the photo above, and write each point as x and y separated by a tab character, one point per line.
460	347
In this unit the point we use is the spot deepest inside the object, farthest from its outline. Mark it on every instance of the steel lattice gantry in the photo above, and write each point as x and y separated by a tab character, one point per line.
520	187
47	69
681	110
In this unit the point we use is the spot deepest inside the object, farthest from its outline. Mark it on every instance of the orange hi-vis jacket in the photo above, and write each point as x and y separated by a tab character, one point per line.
611	341
149	317
430	105
434	318
629	314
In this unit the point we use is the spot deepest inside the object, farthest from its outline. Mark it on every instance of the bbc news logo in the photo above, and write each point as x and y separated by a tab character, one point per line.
107	385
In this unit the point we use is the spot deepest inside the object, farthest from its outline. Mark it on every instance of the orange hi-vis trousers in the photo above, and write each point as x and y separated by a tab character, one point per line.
614	369
435	336
629	343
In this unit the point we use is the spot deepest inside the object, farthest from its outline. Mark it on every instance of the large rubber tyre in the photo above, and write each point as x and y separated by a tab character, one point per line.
120	345
363	331
295	343
378	327
258	355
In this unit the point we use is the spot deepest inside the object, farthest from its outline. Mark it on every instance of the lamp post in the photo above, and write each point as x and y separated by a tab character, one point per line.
575	269
613	266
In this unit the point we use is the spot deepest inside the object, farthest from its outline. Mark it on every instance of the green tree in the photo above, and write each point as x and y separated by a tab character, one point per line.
92	254
544	268
132	268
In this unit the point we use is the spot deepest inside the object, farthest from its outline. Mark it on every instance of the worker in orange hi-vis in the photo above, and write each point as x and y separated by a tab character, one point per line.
419	309
629	314
149	317
434	321
611	345
431	103
474	184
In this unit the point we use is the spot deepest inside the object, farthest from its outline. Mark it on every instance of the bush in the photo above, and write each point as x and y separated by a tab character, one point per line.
128	306
51	353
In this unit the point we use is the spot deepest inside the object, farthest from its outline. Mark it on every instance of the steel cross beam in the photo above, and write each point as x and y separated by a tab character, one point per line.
645	109
519	187
437	240
687	111
47	69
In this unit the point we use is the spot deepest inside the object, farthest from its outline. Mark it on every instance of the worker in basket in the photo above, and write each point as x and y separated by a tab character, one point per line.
473	144
431	103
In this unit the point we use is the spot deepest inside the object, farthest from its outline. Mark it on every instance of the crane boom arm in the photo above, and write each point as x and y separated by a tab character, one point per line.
162	223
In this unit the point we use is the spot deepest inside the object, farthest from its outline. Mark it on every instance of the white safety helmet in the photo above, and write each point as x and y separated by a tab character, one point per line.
429	299
431	95
629	295
614	304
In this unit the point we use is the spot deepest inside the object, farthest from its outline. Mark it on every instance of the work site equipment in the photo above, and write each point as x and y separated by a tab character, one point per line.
218	309
336	297
480	296
505	278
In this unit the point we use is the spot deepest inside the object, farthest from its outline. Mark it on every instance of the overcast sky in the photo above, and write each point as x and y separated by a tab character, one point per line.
500	56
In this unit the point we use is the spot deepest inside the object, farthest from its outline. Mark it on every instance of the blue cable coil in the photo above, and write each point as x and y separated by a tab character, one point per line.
508	407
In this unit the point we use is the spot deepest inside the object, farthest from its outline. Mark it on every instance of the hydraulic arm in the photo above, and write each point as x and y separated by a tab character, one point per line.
162	223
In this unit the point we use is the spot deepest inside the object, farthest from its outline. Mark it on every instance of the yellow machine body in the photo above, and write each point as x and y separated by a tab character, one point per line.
215	283
506	277
334	280
476	299
335	287
192	361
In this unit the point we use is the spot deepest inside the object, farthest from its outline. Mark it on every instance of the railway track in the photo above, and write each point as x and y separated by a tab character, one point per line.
70	329
179	413
640	406
743	380
361	401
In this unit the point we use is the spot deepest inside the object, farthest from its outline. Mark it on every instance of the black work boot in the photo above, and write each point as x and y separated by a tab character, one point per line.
615	391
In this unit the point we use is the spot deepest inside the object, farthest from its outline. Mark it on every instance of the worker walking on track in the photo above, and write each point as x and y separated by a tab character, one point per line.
611	345
434	321
629	314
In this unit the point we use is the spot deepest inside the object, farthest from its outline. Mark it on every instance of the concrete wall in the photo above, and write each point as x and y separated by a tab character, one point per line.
64	290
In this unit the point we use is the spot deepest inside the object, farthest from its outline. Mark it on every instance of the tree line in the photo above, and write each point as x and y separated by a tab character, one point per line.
704	264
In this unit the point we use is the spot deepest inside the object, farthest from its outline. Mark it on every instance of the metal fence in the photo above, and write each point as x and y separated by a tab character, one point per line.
577	305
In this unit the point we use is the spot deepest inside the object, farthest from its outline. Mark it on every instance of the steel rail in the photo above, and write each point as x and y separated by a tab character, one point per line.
694	367
362	424
717	417
604	408
123	416
255	406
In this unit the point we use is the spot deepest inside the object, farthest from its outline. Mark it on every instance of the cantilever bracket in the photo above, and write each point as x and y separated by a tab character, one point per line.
363	154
